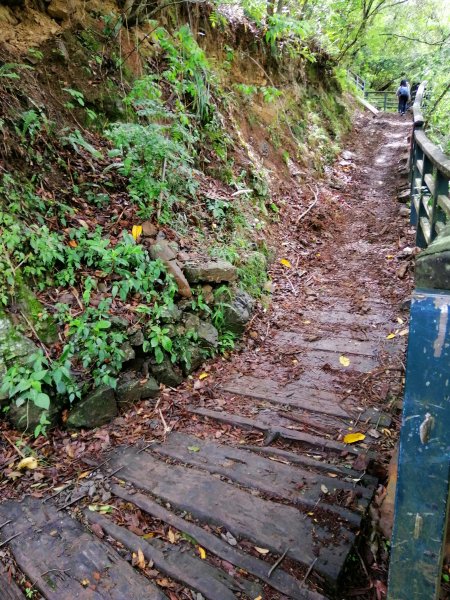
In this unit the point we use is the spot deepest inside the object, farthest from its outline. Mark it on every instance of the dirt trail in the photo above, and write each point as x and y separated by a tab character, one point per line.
255	450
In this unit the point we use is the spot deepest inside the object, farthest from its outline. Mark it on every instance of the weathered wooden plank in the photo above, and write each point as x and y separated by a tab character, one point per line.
433	152
422	495
179	564
319	358
9	590
318	465
288	434
266	523
342	318
59	556
343	345
279	580
280	481
316	400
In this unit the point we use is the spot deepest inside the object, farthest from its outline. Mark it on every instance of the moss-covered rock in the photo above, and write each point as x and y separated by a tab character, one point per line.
96	409
15	347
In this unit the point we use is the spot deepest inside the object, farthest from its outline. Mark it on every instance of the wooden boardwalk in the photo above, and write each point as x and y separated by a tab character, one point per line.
273	519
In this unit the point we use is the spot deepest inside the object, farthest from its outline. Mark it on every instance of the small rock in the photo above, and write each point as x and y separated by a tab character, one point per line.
207	293
148	229
404	211
165	373
171	314
149	389
402	270
211	271
136	338
163	251
119	322
237	313
97	408
128	393
375	416
129	353
60	9
347	155
404	196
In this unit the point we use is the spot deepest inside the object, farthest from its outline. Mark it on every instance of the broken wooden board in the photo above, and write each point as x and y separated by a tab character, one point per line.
64	561
276	431
179	563
315	400
285	482
278	580
266	523
327	342
9	590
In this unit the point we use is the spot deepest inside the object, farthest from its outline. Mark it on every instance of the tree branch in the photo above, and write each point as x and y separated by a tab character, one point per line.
405	37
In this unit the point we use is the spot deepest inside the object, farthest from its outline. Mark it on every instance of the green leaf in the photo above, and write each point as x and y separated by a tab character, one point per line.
159	355
194	448
42	401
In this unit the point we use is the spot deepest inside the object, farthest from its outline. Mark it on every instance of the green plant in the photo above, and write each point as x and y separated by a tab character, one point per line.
270	94
77	96
158	341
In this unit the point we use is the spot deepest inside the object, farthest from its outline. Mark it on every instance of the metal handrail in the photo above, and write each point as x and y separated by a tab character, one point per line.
423	481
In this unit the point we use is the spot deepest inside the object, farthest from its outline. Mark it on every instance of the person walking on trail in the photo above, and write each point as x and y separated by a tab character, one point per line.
403	96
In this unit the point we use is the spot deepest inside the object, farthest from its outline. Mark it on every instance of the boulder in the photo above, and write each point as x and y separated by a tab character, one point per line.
96	409
404	196
237	312
195	359
27	416
166	374
163	251
210	271
148	229
43	323
432	269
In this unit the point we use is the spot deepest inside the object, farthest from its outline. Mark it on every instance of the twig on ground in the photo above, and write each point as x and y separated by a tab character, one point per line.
308	572
5	523
10	538
277	563
311	206
19	452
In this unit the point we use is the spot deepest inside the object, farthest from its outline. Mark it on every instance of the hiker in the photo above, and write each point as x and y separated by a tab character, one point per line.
403	96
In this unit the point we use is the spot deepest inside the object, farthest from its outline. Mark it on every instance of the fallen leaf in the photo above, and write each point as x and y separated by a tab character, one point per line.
136	231
73	244
351	438
203	376
85	582
404	331
27	463
202	552
258	598
324	489
344	360
141	558
261	550
193	448
390	336
332	475
171	536
97	576
285	263
83	475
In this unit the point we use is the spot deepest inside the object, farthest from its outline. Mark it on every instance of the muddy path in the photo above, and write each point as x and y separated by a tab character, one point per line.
242	482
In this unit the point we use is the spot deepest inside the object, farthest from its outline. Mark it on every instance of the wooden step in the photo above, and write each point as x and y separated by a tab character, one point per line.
179	563
9	590
63	560
278	580
329	343
275	431
293	484
266	523
293	394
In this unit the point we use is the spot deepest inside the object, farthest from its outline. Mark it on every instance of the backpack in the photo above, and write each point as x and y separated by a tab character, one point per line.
403	91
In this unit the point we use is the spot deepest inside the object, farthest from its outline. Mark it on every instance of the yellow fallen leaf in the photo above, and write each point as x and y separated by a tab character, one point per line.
390	336
285	263
203	376
404	331
344	360
171	536
136	231
400	320
261	550
389	257
73	244
27	463
85	582
140	559
351	438
83	475
258	598
202	552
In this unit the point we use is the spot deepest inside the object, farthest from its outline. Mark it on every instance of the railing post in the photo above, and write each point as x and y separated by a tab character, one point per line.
385	101
423	464
427	169
417	154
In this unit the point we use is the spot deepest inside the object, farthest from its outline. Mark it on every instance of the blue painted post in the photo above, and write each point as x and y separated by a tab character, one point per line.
417	154
421	504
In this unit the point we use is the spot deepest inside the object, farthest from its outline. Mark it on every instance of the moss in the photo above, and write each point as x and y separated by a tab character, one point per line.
35	312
